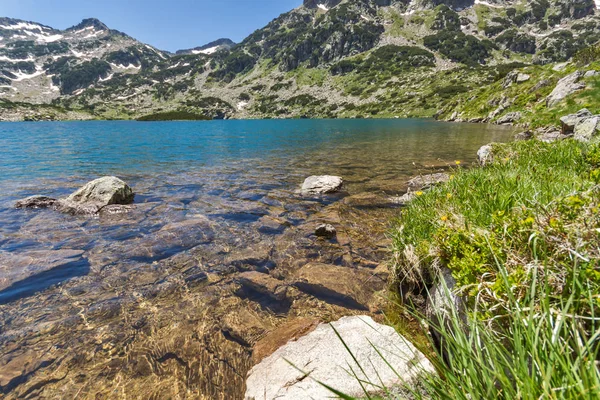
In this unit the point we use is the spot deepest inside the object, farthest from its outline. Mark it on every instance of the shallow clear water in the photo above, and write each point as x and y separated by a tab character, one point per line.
212	199
230	171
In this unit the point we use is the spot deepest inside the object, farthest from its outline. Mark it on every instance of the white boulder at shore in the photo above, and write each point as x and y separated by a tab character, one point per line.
321	356
322	184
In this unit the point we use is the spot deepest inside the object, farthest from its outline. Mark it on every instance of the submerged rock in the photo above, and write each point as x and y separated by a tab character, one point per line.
36	202
566	86
95	195
428	181
322	356
348	287
404	199
326	231
322	184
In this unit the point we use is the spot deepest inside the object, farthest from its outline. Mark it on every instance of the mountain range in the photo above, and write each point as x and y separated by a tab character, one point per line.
324	59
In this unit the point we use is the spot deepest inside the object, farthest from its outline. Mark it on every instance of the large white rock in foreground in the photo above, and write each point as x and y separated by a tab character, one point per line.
322	355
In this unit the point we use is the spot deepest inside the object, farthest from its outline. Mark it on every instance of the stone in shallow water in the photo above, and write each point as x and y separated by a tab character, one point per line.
326	231
322	184
35	202
271	226
95	195
348	287
323	356
20	268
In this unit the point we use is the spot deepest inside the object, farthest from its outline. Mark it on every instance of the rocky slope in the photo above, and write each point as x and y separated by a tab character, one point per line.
327	58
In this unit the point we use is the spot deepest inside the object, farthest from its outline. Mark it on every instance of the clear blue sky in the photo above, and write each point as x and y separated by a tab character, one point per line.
166	24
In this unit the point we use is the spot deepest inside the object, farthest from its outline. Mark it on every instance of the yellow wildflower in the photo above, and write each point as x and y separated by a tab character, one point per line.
449	196
457	162
419	193
444	218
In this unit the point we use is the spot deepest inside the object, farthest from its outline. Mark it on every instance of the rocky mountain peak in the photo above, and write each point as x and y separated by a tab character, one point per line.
210	48
89	23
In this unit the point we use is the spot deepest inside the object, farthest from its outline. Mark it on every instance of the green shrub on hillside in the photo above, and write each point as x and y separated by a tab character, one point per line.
458	47
173	116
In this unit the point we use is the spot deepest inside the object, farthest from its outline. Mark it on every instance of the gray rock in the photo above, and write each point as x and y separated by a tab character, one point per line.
510	79
95	195
35	202
541	84
591	74
560	67
523	78
515	77
322	184
587	128
404	199
526	135
443	304
485	154
510	118
115	209
322	356
424	182
568	122
549	135
566	86
326	231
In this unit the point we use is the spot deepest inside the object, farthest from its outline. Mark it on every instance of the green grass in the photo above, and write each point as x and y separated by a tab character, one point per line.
540	350
532	190
521	237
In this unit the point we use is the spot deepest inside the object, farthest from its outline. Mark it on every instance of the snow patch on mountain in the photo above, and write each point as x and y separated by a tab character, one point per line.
597	4
121	67
108	78
485	3
16	60
323	7
21	76
43	37
22	25
210	50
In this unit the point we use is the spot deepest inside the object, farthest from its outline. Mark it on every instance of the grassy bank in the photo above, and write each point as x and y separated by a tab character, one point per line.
521	237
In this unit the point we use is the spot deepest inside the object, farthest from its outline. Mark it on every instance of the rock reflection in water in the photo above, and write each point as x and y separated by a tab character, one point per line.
217	265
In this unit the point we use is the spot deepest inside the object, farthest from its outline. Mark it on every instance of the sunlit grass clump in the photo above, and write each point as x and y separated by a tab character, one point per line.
521	237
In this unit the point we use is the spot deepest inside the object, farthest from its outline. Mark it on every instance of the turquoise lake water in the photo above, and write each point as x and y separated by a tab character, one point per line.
233	172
